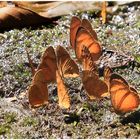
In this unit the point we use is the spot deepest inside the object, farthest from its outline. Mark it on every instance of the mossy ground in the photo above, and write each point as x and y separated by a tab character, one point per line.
96	119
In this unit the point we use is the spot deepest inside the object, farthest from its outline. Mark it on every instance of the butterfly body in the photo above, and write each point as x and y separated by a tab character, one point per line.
107	74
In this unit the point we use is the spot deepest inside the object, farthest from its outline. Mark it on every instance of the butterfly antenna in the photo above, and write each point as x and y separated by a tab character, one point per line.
30	62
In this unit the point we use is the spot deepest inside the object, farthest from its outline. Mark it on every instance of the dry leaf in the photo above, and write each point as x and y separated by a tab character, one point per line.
15	17
59	8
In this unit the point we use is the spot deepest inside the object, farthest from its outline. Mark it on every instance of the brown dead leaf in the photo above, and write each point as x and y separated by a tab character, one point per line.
59	8
15	17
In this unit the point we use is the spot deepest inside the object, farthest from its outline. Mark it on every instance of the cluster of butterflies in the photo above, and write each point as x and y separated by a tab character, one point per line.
56	64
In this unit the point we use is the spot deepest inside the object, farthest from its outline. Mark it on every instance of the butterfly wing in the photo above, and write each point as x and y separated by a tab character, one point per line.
86	24
44	75
94	87
74	25
38	91
84	38
123	98
63	97
49	61
38	95
67	66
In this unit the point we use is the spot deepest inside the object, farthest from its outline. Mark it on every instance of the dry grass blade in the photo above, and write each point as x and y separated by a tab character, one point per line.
30	62
104	12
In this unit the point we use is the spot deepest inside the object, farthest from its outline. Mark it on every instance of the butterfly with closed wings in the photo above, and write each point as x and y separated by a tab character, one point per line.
38	91
95	87
82	34
124	98
52	68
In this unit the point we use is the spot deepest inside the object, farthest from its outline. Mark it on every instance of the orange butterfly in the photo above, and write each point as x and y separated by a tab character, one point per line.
81	33
38	94
95	87
124	98
46	73
86	24
75	24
